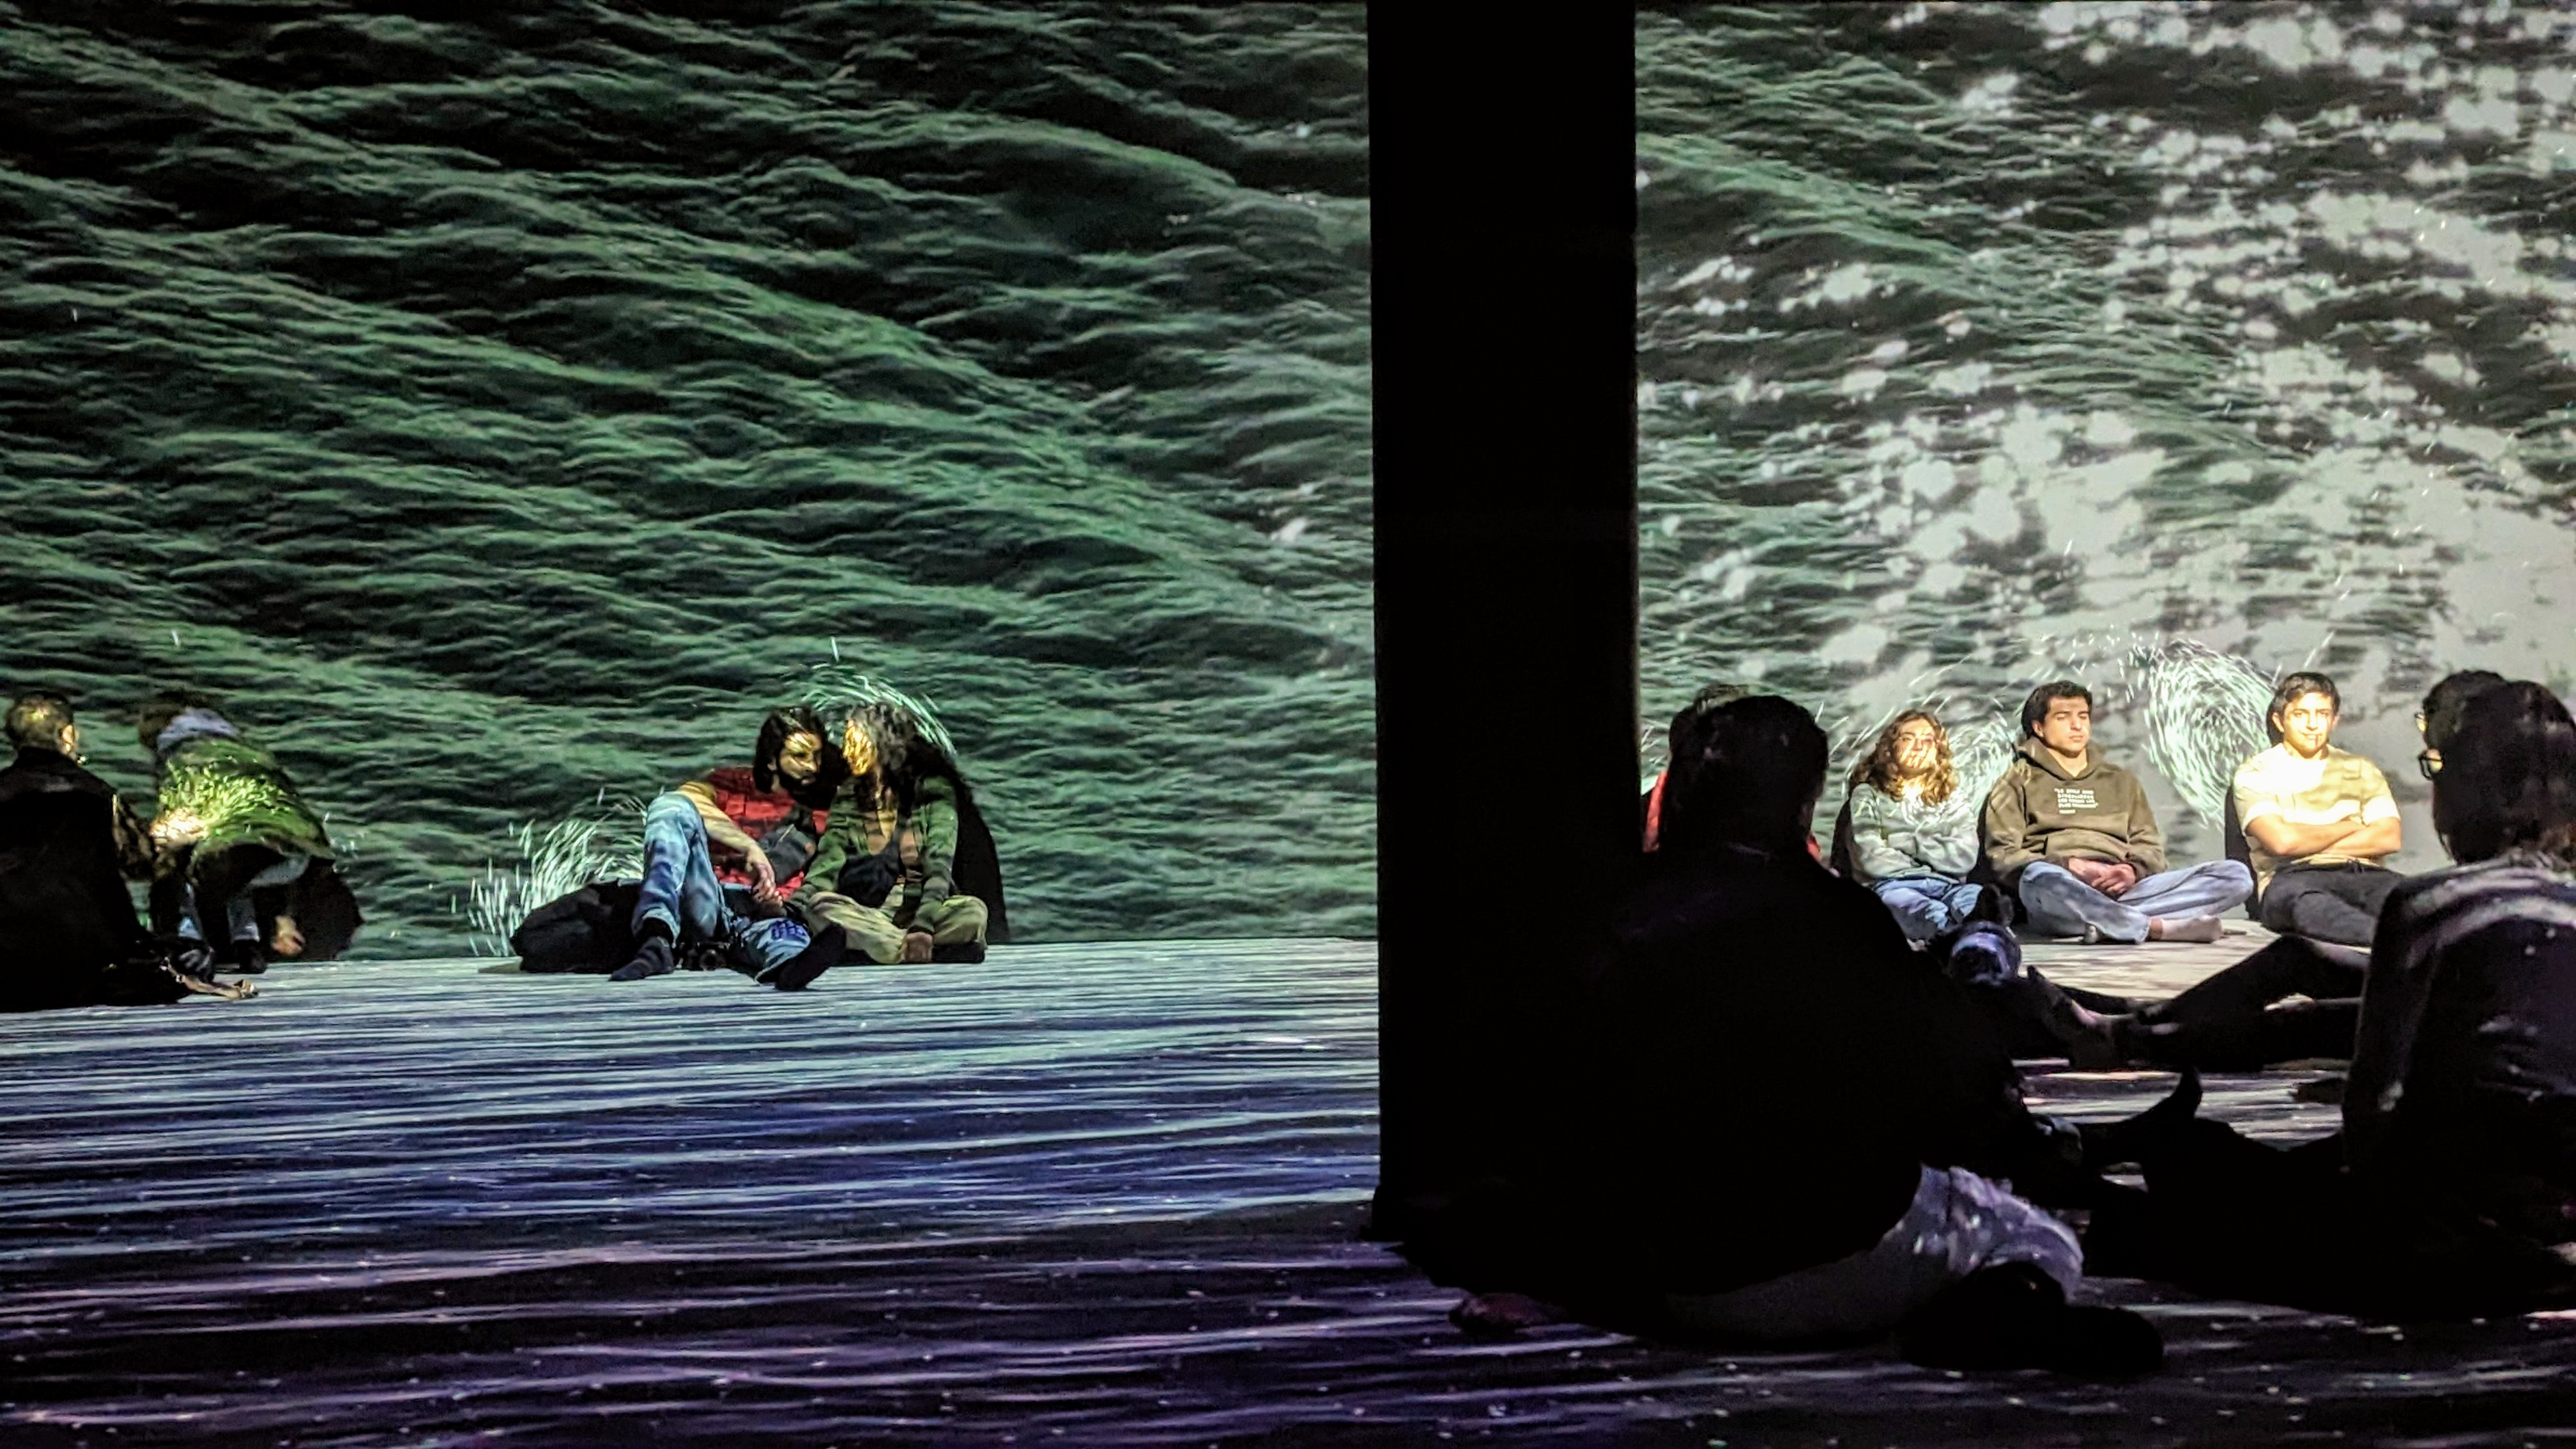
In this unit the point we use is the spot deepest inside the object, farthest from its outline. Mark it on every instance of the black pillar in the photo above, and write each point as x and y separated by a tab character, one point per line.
1503	221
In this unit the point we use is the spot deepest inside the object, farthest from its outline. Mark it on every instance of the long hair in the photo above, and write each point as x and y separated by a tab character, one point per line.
782	725
1880	768
2508	778
906	752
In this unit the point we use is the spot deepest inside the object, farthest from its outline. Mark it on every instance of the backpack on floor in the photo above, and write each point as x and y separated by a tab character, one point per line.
585	931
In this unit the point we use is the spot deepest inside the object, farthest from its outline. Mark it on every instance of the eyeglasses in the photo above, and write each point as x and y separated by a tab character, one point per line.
2429	762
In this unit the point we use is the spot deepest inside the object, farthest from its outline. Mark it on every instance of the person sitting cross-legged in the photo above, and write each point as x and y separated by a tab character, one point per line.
764	821
2318	821
2075	839
892	872
1908	844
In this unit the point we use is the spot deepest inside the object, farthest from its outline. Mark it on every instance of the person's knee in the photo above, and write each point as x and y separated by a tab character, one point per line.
963	920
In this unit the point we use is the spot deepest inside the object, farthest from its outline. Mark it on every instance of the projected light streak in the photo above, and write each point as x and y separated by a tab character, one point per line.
572	853
2202	712
196	803
837	691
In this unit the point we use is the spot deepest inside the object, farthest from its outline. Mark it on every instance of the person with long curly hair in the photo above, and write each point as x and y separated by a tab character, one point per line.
907	869
1909	843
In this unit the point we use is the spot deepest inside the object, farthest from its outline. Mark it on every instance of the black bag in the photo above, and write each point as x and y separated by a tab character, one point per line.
586	931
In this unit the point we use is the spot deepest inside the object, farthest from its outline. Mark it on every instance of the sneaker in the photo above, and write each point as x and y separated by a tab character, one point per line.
966	952
652	958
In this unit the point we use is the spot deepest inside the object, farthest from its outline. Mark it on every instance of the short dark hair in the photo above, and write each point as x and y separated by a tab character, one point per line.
1710	696
2508	778
2296	686
1746	772
36	719
160	709
2035	708
2450	695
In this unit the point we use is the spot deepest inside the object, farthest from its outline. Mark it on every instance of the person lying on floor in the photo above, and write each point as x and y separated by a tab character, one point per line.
764	822
68	936
2318	821
887	872
1772	1106
233	827
2295	999
2451	1190
1909	845
2073	838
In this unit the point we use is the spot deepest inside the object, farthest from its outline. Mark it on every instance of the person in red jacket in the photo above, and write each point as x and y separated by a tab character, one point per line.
722	851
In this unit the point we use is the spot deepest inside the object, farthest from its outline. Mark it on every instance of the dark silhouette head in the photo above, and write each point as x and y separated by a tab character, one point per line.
1710	696
37	719
1748	773
162	708
2508	779
2442	704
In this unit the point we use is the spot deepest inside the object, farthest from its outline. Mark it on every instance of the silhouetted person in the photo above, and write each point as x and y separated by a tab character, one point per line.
1770	1104
2451	1190
68	936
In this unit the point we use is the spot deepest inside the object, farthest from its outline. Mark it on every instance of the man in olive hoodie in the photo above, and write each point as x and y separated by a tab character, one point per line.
2075	840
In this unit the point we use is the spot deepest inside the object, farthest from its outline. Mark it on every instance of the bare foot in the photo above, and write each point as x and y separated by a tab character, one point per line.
2198	928
1496	1315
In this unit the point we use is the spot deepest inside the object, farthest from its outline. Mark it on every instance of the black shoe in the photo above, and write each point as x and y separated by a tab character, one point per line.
2117	1142
245	958
652	958
2014	1316
820	955
969	952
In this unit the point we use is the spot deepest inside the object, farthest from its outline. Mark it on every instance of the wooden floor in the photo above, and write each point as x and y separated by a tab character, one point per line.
1082	1194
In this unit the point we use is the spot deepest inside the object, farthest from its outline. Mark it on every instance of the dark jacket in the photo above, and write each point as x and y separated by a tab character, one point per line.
1758	1067
2039	811
65	915
2464	1070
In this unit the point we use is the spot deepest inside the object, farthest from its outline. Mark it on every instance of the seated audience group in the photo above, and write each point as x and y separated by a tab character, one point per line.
1711	1178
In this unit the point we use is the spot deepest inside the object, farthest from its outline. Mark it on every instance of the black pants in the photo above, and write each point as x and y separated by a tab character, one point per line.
216	878
2229	1216
2229	1023
2337	903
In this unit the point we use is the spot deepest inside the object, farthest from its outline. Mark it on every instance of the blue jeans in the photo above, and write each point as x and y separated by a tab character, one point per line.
680	890
2060	905
1927	905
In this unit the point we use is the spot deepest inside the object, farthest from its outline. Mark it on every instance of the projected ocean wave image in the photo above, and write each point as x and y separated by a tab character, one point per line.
2168	347
499	415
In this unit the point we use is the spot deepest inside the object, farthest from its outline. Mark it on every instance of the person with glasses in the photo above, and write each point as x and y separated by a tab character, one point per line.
2318	820
2451	1190
2440	716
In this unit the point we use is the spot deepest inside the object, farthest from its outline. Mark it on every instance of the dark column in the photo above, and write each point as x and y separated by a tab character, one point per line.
1503	206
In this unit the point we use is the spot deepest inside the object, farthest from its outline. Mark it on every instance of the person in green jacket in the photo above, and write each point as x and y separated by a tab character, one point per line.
2075	839
885	872
234	827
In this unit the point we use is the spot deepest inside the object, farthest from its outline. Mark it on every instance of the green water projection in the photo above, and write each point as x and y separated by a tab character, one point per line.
498	415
